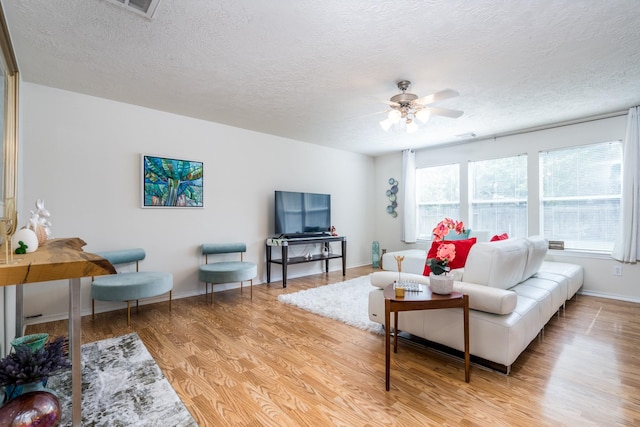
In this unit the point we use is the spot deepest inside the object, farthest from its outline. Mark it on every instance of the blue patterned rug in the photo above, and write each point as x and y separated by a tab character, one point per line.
121	386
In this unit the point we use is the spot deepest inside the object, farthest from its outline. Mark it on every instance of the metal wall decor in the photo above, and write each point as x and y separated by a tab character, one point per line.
393	198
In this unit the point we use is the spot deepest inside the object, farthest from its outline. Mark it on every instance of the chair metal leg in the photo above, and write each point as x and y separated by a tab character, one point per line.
251	284
129	313
170	299
93	309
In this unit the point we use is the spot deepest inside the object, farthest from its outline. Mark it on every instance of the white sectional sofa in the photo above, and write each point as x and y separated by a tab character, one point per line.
512	292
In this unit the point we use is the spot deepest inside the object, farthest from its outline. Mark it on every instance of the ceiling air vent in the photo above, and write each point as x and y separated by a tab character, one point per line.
141	7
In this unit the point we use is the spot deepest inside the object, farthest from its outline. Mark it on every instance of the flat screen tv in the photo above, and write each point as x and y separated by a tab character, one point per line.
302	213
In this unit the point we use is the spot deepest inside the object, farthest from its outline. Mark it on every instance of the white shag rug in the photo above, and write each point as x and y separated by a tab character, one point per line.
347	302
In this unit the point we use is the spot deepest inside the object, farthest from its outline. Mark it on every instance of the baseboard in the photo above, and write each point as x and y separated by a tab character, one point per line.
609	296
105	306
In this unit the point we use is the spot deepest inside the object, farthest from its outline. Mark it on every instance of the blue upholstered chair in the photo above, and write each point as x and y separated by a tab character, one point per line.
226	271
129	286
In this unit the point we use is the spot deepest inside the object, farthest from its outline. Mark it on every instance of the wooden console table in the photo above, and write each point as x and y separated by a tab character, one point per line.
58	259
285	260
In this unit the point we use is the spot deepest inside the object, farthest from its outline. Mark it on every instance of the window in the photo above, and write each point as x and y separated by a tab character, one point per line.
498	196
437	196
580	195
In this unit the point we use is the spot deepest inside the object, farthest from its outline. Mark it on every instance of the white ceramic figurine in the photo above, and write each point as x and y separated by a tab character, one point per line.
39	222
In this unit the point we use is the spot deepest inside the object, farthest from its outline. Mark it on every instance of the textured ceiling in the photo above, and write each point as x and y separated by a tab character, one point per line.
316	71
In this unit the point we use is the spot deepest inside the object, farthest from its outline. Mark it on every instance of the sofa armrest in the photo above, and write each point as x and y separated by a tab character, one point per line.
481	298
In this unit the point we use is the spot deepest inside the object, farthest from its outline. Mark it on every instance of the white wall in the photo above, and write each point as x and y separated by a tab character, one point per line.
81	154
388	230
598	269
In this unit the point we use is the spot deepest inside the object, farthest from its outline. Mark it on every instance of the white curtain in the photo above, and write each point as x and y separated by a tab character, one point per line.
626	248
409	232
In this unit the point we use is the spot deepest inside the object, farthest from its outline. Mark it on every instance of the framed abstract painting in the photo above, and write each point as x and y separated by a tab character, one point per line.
171	183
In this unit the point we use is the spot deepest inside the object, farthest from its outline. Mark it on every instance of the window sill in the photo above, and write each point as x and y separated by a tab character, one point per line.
573	253
576	253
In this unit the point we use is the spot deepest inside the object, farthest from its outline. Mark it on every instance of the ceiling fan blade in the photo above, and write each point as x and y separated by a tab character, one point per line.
454	114
438	96
391	103
369	115
385	101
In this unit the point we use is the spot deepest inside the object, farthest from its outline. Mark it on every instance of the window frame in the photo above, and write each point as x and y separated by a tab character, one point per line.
426	235
506	201
542	200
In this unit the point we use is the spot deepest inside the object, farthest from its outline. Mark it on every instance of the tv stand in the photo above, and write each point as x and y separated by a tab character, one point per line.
303	236
285	260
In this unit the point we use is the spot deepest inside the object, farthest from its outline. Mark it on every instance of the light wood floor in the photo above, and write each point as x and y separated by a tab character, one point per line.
259	362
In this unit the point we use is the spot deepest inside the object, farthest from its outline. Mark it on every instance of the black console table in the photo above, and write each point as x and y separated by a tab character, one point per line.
285	260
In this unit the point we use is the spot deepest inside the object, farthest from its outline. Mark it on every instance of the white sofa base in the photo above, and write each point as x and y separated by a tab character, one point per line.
513	331
503	320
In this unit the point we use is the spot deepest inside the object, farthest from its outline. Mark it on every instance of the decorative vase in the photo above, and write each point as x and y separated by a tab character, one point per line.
375	254
13	391
33	409
399	259
34	341
441	284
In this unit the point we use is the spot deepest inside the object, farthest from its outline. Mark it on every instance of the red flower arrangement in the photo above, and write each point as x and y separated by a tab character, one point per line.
446	251
446	225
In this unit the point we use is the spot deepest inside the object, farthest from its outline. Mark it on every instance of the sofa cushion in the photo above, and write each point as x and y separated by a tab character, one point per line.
497	264
537	251
462	252
562	282
574	273
555	286
543	298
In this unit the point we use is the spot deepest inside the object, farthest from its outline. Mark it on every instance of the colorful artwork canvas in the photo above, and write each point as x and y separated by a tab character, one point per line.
171	182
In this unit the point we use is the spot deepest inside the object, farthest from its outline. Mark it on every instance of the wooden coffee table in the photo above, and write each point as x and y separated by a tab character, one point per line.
424	300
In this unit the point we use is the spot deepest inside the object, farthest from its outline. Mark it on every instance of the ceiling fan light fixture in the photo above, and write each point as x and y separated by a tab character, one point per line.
423	115
394	116
411	126
407	107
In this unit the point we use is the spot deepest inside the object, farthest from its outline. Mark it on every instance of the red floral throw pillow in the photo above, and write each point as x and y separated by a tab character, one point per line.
497	237
462	252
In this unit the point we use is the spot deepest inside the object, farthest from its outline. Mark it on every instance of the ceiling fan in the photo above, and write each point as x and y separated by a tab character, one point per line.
406	107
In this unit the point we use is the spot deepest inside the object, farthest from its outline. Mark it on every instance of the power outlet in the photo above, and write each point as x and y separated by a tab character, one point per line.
617	270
